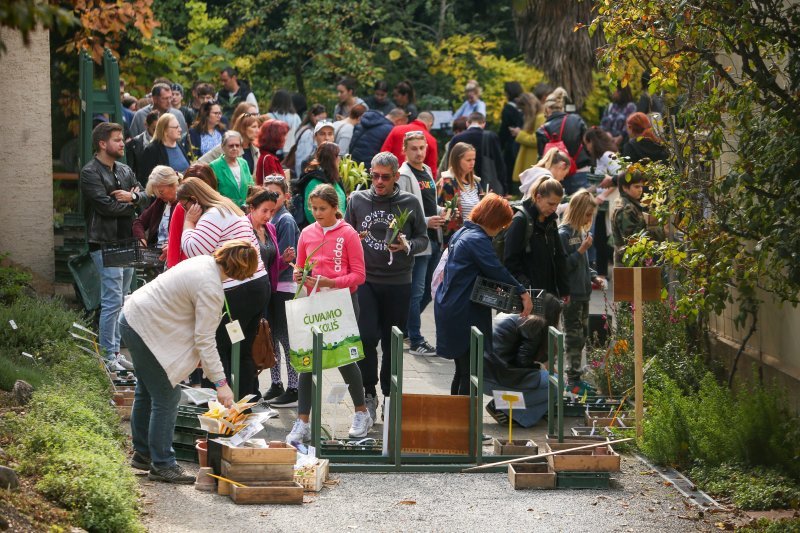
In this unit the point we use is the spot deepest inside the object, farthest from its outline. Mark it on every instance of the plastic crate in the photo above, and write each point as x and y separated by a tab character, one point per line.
583	480
595	179
187	416
350	448
185	452
496	294
184	435
130	253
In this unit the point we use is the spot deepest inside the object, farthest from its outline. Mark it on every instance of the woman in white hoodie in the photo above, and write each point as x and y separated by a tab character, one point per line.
554	164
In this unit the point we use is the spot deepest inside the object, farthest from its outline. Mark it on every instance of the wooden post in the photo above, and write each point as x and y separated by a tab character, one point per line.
638	348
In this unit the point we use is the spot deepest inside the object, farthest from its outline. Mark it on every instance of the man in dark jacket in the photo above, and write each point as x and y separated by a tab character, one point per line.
489	163
370	133
134	148
384	297
233	93
110	196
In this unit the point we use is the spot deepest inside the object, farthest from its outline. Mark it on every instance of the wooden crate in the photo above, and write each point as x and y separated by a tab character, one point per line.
286	492
124	411
599	459
603	419
122	399
285	454
313	479
531	476
248	473
515	447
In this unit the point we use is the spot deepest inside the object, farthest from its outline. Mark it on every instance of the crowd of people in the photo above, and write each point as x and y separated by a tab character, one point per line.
236	200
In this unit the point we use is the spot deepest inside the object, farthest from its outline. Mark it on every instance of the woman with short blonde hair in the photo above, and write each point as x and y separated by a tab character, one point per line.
169	327
152	226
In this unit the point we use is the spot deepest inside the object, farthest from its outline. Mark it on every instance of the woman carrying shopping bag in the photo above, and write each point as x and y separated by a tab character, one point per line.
334	249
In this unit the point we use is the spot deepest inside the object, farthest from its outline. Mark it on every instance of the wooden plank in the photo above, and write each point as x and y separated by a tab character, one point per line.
285	454
435	424
285	492
623	284
532	476
245	472
638	348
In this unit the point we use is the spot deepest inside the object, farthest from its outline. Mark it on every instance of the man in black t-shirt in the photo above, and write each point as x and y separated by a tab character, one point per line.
416	178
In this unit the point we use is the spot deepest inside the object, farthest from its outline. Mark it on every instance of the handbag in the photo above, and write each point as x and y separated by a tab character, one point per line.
263	351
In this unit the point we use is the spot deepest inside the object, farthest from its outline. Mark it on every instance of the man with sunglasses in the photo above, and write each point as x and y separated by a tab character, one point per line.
111	194
384	297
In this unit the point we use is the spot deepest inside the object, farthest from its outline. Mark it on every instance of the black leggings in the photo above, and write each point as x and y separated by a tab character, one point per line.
382	306
601	245
460	384
247	302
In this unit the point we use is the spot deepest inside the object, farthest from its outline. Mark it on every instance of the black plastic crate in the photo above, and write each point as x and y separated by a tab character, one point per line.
185	452
503	297
130	253
187	416
183	435
583	480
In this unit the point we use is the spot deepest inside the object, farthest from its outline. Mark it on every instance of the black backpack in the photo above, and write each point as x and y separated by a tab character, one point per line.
499	240
298	188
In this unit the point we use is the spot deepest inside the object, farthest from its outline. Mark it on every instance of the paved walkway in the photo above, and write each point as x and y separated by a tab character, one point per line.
639	500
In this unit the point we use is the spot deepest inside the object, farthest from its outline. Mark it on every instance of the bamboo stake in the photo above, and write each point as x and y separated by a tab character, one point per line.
529	457
226	480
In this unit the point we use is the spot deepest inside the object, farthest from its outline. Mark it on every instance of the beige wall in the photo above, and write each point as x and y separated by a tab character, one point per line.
26	162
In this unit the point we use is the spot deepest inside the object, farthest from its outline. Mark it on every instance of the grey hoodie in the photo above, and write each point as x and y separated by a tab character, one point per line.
371	213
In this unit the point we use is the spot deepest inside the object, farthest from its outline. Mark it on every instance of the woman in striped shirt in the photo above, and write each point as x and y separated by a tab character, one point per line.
210	221
459	182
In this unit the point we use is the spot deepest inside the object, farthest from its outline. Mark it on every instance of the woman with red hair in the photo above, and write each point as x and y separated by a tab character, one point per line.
643	141
271	138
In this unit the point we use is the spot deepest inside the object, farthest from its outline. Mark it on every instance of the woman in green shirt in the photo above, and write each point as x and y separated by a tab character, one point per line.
324	168
232	171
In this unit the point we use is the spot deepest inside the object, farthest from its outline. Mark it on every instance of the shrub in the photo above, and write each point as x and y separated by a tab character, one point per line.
39	320
13	282
14	367
755	489
665	431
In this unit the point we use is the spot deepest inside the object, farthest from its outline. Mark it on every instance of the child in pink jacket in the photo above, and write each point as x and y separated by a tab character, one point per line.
339	259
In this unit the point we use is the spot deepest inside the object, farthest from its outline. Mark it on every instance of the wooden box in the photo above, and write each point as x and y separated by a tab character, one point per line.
599	459
278	454
515	447
286	492
313	478
253	472
602	419
124	411
531	476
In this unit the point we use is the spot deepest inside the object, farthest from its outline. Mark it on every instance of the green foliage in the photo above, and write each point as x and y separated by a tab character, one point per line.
13	282
39	320
764	525
714	426
757	489
26	15
730	80
14	366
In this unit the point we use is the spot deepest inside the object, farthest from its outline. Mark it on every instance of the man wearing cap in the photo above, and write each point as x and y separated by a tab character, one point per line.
323	132
162	102
177	103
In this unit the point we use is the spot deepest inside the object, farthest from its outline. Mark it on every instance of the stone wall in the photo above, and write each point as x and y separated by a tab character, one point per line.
26	165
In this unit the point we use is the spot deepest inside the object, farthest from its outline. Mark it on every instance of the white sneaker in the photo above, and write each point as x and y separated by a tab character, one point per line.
301	432
362	423
113	366
123	362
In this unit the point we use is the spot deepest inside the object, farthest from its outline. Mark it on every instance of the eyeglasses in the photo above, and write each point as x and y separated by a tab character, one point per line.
175	127
380	177
274	178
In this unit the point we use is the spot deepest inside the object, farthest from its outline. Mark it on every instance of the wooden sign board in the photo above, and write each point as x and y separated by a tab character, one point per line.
623	284
435	424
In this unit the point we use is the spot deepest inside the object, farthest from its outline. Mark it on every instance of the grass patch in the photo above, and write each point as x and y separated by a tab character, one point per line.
14	367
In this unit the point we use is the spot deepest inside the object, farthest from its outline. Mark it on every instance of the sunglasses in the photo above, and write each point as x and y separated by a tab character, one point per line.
414	134
380	177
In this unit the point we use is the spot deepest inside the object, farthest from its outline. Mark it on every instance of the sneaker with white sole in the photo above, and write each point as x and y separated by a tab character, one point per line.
362	423
301	432
123	362
113	366
423	348
172	474
372	405
285	400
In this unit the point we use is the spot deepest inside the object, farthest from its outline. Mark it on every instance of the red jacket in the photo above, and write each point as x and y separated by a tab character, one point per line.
174	253
394	143
267	164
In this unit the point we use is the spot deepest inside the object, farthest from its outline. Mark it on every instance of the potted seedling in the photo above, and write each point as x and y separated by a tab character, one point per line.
306	269
354	175
394	235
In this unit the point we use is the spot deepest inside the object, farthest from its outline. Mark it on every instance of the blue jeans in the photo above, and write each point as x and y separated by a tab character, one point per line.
414	323
433	262
115	282
155	402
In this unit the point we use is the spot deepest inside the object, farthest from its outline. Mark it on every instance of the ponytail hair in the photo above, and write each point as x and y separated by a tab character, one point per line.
327	194
556	101
546	186
553	156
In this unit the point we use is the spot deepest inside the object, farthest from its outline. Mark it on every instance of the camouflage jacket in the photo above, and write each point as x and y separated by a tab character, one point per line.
629	219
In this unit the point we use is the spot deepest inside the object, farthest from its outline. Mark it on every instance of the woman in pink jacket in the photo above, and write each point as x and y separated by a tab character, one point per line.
339	264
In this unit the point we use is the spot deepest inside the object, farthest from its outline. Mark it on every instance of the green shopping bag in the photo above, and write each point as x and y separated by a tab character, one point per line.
332	313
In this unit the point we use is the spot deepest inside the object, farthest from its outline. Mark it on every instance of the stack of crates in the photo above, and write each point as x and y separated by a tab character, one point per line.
187	431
